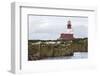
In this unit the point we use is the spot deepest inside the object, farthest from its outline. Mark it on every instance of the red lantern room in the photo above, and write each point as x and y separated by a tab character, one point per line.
69	25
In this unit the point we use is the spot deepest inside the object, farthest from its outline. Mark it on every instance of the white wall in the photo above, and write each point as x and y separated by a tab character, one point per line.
5	28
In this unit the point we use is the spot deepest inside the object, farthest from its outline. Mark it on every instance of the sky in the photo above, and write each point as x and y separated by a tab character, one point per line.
50	27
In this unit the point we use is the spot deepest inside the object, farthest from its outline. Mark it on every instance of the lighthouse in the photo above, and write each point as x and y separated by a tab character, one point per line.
69	28
68	35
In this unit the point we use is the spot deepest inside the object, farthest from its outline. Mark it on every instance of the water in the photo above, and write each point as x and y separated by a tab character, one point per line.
80	55
77	55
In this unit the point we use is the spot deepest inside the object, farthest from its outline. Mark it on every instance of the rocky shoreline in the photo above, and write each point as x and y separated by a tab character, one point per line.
41	49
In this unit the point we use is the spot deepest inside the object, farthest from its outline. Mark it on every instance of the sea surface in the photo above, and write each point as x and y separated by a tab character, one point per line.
77	55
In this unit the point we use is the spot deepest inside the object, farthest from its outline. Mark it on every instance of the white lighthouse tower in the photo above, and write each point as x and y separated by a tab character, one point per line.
69	28
69	34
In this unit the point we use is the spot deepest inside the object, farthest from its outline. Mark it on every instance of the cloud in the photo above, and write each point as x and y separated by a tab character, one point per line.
80	31
50	27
